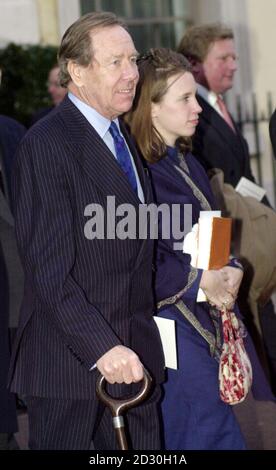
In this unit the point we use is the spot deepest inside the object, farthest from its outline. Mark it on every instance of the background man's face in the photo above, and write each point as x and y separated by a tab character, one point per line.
56	91
220	65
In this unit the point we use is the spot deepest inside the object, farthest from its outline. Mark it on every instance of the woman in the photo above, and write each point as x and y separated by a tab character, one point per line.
164	118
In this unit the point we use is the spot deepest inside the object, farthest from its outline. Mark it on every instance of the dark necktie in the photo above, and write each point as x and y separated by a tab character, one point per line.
123	155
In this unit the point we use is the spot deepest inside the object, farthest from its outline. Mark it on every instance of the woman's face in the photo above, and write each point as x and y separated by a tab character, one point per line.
177	113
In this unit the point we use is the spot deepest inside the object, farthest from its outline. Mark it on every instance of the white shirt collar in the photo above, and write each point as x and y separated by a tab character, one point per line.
210	96
100	123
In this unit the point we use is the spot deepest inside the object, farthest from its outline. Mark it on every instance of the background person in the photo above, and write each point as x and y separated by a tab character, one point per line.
56	93
11	277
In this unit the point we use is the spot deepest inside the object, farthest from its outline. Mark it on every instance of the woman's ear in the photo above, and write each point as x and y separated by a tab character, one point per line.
154	110
76	73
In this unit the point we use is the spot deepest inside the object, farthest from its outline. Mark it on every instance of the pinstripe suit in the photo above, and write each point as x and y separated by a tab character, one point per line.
82	297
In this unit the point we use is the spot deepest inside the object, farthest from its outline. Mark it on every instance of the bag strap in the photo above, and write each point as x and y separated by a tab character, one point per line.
207	335
230	332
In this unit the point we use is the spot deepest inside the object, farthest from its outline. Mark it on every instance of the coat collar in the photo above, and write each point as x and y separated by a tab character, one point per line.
210	115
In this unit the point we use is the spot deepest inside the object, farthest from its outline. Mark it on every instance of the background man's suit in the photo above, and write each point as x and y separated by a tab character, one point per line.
11	276
82	297
215	145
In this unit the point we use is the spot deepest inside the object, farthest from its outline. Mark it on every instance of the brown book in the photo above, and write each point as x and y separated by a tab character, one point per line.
220	242
214	239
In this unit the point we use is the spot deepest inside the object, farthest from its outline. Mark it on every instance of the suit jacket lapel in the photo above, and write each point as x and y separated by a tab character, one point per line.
210	115
98	162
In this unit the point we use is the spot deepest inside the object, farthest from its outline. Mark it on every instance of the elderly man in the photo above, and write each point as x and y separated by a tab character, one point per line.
88	301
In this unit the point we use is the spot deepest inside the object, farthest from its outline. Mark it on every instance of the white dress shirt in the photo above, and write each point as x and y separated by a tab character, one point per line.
101	125
209	96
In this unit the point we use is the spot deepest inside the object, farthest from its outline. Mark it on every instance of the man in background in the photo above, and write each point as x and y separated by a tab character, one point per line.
56	93
11	277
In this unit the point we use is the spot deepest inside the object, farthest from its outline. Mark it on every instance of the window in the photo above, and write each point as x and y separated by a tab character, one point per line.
152	23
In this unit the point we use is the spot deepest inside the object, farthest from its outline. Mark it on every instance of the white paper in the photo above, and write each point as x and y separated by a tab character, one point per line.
197	243
245	187
201	296
209	214
204	237
190	244
166	329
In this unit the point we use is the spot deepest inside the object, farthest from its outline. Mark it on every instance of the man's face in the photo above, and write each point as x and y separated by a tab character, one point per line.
56	91
108	84
219	66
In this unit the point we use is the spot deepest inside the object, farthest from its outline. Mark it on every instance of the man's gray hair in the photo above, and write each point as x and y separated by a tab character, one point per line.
76	44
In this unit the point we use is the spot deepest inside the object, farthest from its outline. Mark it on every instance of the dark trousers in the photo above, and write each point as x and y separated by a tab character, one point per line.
74	424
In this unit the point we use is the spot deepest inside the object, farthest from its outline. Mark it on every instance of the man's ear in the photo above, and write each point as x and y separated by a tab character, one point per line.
76	73
197	69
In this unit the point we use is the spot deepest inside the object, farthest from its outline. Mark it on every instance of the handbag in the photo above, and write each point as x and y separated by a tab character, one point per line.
235	370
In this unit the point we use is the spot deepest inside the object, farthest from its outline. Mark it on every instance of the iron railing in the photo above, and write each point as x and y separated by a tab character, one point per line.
254	118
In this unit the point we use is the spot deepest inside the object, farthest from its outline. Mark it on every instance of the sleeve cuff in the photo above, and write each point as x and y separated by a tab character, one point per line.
235	263
192	291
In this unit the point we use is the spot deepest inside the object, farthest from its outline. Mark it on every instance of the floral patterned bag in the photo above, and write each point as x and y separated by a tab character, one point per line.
235	371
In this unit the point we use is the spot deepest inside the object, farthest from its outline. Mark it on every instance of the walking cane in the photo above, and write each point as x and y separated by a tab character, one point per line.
120	406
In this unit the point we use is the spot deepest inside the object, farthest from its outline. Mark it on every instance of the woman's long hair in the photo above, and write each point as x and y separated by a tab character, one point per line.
155	68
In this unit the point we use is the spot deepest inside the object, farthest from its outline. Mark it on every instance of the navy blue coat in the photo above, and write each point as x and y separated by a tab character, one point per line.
175	279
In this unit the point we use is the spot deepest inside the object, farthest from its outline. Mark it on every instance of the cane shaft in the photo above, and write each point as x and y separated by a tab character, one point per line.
121	438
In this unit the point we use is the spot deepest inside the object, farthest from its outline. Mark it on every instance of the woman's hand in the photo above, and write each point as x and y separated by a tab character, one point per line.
233	277
218	287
